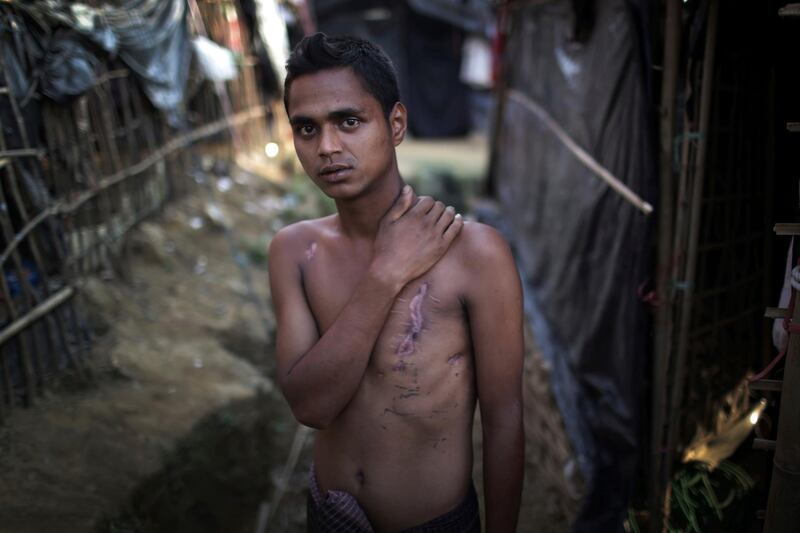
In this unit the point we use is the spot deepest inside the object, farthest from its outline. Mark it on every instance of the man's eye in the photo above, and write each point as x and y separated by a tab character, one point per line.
306	131
350	122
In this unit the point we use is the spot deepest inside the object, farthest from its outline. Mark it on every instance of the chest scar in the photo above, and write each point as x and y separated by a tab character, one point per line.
416	320
455	358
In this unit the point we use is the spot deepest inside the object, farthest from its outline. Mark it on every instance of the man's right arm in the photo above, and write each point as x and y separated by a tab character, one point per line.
320	374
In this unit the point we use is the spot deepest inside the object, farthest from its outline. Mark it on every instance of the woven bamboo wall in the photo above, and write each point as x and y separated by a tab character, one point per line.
70	194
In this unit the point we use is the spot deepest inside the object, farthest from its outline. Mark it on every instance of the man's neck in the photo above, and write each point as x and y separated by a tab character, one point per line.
359	217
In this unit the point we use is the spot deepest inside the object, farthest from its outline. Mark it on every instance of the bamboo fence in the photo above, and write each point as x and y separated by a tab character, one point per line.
70	195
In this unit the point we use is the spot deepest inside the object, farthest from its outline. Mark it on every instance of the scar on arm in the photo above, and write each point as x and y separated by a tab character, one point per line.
311	251
408	345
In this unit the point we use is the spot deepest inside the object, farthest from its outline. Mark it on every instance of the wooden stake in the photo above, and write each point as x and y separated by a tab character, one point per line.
584	157
266	509
661	349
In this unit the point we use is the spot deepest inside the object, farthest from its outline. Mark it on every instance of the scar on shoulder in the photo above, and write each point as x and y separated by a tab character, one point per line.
311	251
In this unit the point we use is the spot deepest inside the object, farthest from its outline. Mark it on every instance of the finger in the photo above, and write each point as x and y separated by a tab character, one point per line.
445	219
423	205
403	202
436	211
453	230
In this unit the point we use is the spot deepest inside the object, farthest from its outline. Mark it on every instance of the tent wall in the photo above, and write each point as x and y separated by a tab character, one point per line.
583	251
423	48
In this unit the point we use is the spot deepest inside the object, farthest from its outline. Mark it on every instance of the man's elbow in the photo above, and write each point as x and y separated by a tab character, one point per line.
311	420
309	414
307	409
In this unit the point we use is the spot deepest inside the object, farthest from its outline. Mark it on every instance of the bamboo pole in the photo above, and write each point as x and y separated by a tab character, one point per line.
35	314
661	349
60	247
25	353
676	398
268	509
26	357
582	155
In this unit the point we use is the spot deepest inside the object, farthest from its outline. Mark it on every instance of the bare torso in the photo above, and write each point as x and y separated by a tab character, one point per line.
403	444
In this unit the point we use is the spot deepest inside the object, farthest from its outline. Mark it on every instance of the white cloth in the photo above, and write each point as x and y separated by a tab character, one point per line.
780	337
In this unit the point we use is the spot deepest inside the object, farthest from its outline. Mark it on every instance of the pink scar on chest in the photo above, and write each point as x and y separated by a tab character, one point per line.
455	358
408	345
311	251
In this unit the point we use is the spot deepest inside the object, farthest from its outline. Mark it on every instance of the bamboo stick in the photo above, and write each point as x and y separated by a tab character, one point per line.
26	290
661	349
35	314
61	255
582	155
267	509
22	152
25	353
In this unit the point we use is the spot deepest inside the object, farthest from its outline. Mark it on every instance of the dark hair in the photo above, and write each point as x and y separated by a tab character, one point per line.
370	64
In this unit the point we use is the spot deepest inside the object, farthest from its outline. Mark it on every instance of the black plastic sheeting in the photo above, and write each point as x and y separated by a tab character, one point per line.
69	68
472	16
422	47
583	251
150	36
157	50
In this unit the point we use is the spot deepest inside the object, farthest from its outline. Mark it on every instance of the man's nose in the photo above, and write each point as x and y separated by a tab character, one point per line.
329	142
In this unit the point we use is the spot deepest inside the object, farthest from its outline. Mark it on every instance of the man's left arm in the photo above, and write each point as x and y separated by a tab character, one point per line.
494	306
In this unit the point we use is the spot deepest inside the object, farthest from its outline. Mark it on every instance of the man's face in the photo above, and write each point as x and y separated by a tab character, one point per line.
341	135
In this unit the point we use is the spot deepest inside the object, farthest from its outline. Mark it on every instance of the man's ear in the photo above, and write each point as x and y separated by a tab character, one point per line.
398	122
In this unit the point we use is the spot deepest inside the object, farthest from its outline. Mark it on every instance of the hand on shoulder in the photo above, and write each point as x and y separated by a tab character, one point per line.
413	235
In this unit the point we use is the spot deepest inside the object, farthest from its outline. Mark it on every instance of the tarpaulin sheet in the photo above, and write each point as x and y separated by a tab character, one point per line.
474	16
422	48
150	36
583	251
69	68
270	41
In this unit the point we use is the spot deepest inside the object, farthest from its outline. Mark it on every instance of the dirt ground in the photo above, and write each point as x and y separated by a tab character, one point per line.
181	427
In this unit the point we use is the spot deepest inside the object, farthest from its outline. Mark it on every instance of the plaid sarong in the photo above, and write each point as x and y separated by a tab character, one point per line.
340	512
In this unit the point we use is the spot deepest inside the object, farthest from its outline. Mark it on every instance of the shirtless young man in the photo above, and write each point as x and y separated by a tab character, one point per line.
394	317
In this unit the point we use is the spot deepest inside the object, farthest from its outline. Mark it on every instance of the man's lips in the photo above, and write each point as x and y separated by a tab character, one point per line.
334	172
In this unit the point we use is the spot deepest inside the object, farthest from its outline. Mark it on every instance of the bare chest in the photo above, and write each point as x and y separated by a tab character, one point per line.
417	396
425	331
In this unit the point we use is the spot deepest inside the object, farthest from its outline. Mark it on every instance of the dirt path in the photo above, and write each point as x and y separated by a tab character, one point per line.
180	344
